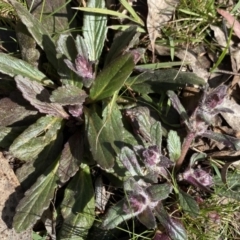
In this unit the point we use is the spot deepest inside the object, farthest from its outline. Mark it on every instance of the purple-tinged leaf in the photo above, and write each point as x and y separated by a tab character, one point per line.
147	218
12	112
215	98
141	121
68	95
225	139
151	156
179	107
75	110
82	67
172	227
38	96
71	156
136	203
129	160
161	236
188	204
159	192
198	178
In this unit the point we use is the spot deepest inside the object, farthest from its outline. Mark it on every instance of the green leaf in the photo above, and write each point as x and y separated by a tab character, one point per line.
232	187
78	208
68	95
8	134
188	204
32	170
118	134
98	138
156	134
38	32
13	66
129	160
115	215
132	12
174	145
18	111
162	80
70	157
35	138
95	30
106	11
36	200
154	66
55	16
197	157
65	50
172	226
120	44
160	191
179	107
112	78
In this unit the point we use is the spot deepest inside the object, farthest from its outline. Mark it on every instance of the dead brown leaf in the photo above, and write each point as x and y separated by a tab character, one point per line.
159	13
10	195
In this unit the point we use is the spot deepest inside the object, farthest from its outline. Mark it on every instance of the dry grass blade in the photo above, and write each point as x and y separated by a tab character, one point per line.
159	13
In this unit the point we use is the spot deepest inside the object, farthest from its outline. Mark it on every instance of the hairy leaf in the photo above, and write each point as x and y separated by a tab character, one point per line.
141	121
174	145
95	30
37	30
36	200
160	191
188	204
71	156
147	218
156	134
35	138
120	44
12	112
98	138
129	160
68	95
13	66
116	215
173	227
77	207
112	78
38	96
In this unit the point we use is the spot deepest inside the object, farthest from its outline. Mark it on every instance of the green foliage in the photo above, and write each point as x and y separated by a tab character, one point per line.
69	121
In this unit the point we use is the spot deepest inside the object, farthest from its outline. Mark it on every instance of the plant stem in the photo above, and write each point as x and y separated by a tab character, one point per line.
186	145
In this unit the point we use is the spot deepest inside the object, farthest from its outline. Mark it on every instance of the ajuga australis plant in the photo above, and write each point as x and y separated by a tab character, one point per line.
63	108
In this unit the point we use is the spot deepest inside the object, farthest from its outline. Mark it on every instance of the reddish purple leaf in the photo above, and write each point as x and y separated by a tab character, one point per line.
39	97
